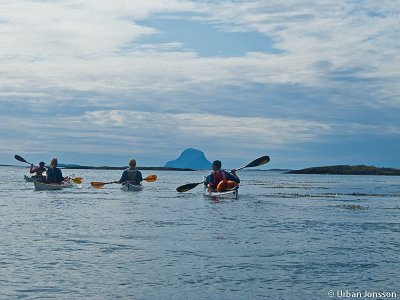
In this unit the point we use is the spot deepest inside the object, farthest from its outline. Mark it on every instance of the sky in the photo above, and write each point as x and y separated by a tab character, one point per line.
94	82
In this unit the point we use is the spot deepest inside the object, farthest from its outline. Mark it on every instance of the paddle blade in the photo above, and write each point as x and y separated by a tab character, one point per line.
151	178
257	162
97	185
187	187
77	180
17	157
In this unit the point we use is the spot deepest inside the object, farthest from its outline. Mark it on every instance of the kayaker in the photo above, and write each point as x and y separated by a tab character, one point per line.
54	174
221	180
38	171
131	175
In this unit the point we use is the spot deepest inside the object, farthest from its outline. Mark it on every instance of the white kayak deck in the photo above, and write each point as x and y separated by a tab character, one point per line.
231	194
41	186
131	187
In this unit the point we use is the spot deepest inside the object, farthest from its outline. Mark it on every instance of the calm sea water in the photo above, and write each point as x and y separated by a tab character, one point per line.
286	237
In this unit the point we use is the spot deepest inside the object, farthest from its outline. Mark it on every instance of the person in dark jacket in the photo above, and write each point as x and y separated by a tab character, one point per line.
54	174
221	180
131	175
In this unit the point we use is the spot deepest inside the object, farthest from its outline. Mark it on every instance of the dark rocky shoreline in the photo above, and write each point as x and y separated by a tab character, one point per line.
348	170
123	168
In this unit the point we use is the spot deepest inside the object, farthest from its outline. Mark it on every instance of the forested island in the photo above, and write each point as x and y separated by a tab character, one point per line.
347	170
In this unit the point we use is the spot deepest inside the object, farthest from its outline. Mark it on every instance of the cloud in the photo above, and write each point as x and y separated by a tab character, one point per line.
84	68
210	126
350	35
116	131
156	137
88	46
56	30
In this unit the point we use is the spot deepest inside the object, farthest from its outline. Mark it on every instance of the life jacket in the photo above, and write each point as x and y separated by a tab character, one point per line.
132	174
218	176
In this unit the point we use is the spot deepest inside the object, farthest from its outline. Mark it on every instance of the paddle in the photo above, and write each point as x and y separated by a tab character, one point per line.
255	163
77	180
17	157
187	187
97	185
151	178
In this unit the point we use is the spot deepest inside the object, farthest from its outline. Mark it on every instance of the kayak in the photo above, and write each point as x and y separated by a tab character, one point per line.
30	179
34	177
131	187
230	194
41	186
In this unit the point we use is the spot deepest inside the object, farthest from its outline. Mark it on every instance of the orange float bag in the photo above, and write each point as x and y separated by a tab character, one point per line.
226	185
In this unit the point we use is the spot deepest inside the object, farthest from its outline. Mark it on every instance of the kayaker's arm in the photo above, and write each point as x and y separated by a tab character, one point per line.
208	180
139	177
124	177
33	169
60	176
233	176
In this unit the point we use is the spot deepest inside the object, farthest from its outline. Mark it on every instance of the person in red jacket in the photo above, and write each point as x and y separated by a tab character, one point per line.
221	180
38	171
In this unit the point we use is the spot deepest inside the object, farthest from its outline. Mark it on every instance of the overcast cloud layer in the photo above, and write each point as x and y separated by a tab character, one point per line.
308	83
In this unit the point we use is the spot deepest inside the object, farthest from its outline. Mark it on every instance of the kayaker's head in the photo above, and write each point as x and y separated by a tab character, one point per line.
54	163
41	164
132	163
216	165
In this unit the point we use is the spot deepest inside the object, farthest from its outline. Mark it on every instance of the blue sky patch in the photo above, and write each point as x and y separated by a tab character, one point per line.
207	40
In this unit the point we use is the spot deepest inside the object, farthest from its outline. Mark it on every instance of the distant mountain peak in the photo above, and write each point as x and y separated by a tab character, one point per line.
190	158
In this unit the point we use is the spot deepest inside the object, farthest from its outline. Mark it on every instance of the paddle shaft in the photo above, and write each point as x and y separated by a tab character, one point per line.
150	178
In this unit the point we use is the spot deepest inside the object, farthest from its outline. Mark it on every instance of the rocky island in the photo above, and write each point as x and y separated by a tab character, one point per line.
347	170
190	158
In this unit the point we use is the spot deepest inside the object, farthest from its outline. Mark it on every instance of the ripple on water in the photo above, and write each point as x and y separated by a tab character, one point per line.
286	237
